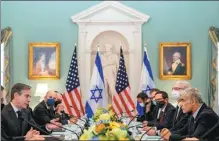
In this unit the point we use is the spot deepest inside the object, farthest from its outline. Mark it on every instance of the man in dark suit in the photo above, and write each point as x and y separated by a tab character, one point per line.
180	119
148	106
177	67
162	115
202	120
15	116
44	112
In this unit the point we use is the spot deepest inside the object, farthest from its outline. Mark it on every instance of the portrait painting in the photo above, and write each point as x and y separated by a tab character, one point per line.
175	60
44	59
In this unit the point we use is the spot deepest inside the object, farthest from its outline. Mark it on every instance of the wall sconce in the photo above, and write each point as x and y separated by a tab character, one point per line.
41	90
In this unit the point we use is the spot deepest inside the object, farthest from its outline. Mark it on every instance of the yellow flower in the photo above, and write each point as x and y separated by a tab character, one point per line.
114	125
105	116
123	138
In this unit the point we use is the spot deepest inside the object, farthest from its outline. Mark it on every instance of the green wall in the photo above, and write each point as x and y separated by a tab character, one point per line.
44	21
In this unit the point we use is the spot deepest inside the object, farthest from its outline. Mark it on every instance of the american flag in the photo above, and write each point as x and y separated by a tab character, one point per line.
72	98
122	101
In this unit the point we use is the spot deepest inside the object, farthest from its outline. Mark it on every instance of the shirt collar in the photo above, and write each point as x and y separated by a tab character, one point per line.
196	112
15	108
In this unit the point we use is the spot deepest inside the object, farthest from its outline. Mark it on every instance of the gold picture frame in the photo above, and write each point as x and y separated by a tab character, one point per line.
180	54
44	60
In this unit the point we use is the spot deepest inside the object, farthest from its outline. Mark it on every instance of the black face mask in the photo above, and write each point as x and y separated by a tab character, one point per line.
160	104
146	103
57	103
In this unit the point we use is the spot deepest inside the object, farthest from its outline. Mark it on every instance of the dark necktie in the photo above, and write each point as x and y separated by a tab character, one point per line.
177	112
52	112
161	117
20	121
192	125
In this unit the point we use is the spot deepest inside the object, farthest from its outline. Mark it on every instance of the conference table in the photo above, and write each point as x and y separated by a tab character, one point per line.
72	129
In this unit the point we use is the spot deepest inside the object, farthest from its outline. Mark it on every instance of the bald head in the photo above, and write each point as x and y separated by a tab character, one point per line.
50	94
176	56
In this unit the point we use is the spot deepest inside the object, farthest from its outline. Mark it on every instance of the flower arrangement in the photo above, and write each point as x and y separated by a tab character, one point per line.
106	127
105	112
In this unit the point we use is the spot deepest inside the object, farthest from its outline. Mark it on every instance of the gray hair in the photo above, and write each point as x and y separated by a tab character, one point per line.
184	84
193	94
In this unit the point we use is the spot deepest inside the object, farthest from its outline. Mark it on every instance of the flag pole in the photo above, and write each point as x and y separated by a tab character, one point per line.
121	45
98	47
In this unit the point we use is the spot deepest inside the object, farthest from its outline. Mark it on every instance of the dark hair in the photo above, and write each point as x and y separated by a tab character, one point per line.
142	95
164	94
2	88
18	87
154	90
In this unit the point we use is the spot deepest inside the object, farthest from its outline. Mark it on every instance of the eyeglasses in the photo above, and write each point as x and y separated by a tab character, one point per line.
177	88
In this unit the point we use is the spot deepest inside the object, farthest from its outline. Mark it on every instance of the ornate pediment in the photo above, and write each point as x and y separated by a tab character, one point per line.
110	11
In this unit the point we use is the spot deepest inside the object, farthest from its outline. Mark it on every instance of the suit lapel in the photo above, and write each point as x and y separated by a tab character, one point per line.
24	123
13	117
44	105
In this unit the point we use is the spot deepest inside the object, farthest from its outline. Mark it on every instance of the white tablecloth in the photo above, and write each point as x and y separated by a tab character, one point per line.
136	132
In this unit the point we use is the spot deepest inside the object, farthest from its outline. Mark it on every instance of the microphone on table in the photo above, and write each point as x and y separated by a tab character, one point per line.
133	119
32	123
211	130
65	129
146	132
137	125
74	123
86	125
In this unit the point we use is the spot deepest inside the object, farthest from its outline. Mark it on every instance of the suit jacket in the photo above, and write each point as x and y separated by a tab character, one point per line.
147	116
10	128
167	117
180	69
180	121
204	121
42	114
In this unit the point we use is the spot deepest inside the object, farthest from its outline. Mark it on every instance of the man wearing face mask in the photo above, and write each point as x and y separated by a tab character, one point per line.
44	112
203	123
180	119
163	114
147	105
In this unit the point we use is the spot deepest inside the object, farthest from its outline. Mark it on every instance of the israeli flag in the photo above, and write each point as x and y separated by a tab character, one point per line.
147	80
97	94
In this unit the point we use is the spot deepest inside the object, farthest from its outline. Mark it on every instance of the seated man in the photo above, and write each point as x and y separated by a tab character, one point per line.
44	112
163	114
15	117
202	120
147	105
180	119
60	113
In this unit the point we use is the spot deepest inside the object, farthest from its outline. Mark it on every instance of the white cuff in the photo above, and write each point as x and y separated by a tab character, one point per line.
157	131
47	128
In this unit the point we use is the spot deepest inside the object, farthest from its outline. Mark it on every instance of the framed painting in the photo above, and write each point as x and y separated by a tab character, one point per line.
44	60
175	60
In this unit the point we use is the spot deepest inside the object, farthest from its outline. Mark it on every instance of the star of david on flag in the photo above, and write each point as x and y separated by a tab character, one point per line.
147	80
97	94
